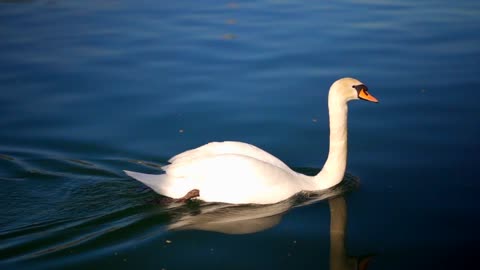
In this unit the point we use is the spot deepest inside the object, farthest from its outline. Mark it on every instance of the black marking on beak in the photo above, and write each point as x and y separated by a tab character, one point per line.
362	93
361	87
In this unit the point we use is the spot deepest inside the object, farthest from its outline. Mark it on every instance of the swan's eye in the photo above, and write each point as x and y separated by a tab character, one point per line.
360	87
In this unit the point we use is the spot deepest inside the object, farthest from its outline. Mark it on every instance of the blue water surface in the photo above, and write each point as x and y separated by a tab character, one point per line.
89	88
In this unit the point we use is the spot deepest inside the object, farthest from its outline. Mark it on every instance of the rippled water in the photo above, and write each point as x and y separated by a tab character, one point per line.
90	88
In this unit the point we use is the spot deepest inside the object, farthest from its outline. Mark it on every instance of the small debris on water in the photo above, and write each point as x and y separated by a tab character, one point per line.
228	36
180	131
168	241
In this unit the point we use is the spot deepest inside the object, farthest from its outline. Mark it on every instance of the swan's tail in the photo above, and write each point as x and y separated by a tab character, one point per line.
157	182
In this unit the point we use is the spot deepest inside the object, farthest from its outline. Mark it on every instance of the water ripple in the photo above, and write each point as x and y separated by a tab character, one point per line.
101	226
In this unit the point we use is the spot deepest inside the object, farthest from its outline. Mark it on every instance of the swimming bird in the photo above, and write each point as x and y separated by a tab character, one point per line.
241	173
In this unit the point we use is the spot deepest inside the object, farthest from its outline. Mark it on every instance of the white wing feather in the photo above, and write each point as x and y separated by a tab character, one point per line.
235	179
230	172
228	147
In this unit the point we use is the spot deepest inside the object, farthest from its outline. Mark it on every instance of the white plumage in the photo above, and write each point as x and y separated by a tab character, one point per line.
236	172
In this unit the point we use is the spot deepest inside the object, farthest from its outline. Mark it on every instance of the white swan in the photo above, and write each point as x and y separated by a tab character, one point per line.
236	172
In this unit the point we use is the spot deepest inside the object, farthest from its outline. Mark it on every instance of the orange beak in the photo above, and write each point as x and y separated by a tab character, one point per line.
363	94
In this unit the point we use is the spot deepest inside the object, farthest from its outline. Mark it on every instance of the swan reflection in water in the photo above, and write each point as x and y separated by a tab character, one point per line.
244	219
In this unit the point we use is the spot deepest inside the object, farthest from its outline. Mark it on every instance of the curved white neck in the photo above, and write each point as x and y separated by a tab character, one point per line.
334	168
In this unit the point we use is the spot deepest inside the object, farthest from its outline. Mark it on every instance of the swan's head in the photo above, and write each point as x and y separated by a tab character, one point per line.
351	89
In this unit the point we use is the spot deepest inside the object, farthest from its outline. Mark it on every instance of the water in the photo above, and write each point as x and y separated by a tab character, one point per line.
93	87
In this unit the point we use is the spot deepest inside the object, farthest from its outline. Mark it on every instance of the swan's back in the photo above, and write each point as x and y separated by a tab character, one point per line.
227	147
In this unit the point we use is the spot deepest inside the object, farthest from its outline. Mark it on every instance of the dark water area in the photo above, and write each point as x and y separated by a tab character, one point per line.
90	88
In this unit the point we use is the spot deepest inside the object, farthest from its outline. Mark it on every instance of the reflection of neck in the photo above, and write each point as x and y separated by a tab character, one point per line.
338	223
334	168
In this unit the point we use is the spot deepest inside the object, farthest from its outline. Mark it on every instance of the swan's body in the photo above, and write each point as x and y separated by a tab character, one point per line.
236	172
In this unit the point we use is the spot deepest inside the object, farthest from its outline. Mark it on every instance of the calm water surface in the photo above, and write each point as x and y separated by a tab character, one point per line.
88	88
